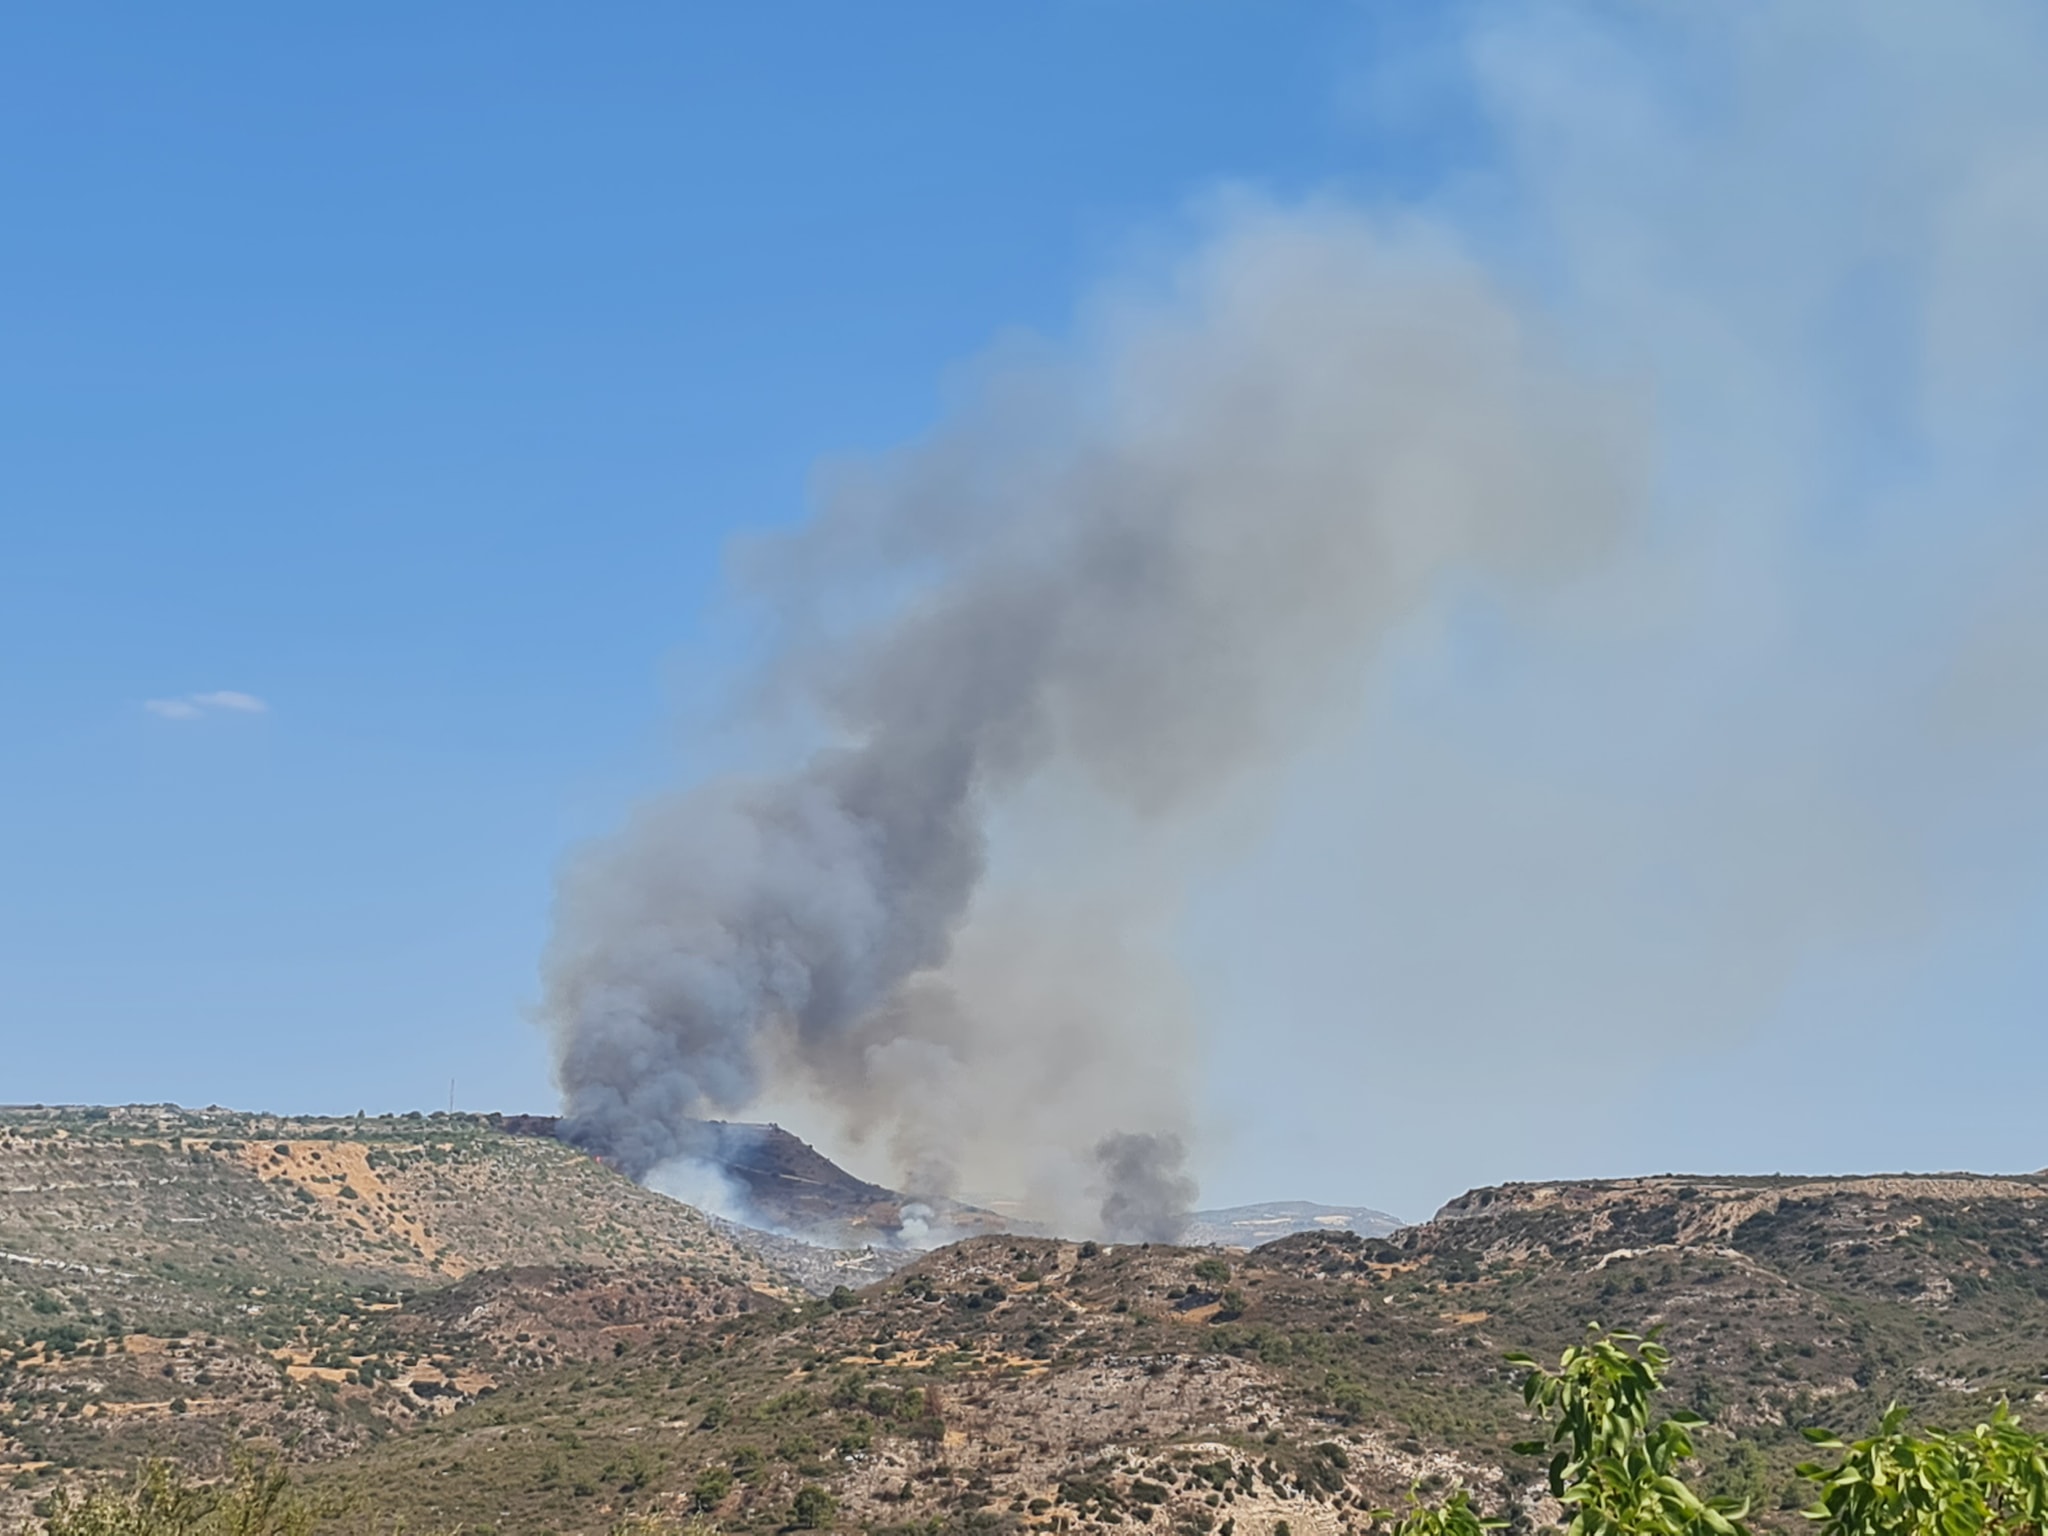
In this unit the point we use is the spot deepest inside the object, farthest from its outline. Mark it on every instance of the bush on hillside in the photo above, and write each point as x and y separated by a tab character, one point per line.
258	1500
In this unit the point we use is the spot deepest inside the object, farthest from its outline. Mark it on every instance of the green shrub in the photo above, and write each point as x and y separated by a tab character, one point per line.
711	1488
1990	1479
1616	1467
813	1509
258	1501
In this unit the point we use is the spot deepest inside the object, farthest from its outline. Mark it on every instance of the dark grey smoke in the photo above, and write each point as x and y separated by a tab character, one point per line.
791	908
1116	588
1149	1192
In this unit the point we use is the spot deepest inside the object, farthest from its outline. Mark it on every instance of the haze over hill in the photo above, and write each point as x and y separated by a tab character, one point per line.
1247	1226
764	1176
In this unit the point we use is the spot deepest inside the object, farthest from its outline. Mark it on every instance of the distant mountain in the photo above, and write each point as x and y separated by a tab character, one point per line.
1247	1226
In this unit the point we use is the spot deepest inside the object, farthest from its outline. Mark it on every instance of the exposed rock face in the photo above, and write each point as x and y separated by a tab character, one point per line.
1592	1215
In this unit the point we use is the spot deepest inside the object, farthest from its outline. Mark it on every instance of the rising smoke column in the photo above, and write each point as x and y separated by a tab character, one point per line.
1147	1197
1123	584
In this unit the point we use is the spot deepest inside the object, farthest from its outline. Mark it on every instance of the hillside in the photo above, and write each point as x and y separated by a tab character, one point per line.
497	1334
175	1280
1024	1382
163	1208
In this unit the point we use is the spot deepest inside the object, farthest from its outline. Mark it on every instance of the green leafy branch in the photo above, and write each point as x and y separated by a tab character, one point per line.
1611	1465
1988	1481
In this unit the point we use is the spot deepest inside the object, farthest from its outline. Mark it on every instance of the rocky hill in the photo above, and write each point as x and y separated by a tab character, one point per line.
774	1181
481	1332
174	1280
1014	1382
125	1198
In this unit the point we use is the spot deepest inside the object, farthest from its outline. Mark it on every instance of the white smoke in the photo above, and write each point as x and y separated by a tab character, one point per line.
1125	583
1626	613
1752	816
703	1183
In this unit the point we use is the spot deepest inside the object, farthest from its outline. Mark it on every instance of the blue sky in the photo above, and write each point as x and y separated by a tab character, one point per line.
408	371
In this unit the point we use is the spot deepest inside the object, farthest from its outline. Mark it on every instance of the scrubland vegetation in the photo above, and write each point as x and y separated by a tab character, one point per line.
1615	1468
590	1358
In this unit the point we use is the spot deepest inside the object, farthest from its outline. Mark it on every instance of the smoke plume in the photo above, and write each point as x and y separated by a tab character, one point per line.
1756	805
1148	1193
1036	650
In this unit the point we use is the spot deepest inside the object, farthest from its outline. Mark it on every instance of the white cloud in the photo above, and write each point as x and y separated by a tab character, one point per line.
227	698
192	705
